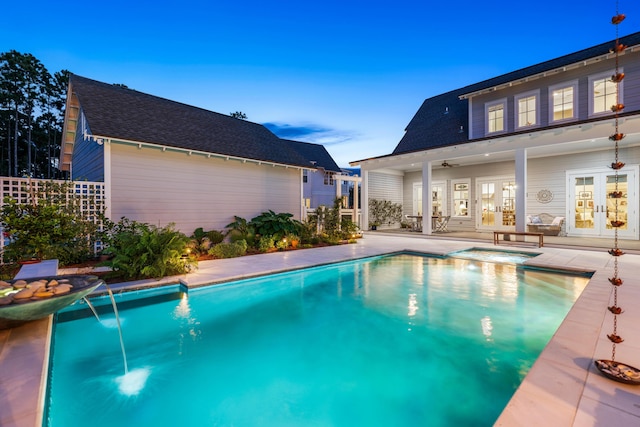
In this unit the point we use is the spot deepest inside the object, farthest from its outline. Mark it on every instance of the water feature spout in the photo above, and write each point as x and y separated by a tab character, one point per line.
93	310
132	382
115	310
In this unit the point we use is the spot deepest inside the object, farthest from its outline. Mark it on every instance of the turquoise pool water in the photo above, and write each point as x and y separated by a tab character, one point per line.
403	340
493	255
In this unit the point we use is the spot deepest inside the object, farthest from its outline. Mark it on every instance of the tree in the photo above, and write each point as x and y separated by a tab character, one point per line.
31	116
238	115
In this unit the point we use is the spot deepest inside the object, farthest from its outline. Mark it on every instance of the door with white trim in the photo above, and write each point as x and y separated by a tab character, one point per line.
438	198
596	201
496	203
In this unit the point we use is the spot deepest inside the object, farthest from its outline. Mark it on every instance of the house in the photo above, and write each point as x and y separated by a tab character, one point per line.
319	185
166	162
533	141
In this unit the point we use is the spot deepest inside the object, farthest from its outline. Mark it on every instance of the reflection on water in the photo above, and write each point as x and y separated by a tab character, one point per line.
386	341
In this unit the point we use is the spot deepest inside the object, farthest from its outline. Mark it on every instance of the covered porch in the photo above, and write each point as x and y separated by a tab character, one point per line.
500	183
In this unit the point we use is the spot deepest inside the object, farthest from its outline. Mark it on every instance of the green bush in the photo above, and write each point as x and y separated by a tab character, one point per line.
229	250
240	229
51	227
349	229
266	244
142	250
202	241
282	244
272	224
240	225
214	236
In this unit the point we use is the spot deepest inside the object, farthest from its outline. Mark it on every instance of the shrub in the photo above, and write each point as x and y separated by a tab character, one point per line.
214	236
384	212
52	226
142	250
240	225
240	229
282	244
229	250
349	228
272	224
201	241
266	244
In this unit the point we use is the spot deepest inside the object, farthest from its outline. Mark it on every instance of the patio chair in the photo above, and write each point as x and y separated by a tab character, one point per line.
441	224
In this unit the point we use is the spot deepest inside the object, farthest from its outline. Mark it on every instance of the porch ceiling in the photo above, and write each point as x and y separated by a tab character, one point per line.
545	143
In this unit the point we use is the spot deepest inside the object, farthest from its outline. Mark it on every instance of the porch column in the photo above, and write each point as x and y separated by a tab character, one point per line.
364	207
521	189
356	206
427	203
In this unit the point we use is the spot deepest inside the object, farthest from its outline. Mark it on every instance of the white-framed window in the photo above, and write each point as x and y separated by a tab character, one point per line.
495	116
563	100
603	93
460	197
305	175
328	178
527	109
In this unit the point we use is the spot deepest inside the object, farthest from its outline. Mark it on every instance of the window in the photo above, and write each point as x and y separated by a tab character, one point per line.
305	175
328	178
460	198
527	111
603	93
495	116
562	99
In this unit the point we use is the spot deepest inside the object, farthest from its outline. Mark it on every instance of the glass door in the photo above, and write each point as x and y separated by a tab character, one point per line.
594	202
438	199
496	203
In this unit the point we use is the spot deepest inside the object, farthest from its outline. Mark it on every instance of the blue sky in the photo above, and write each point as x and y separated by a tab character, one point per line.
346	74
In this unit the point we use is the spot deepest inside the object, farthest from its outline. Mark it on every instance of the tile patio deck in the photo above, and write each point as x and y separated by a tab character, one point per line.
563	387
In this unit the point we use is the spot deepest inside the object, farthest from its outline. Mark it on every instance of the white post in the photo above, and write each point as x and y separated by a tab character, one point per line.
521	189
427	203
364	217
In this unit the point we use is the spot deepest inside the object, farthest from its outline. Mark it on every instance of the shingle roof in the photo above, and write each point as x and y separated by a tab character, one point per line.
431	127
315	153
120	113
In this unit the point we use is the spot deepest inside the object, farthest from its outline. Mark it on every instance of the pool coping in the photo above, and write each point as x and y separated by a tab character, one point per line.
563	387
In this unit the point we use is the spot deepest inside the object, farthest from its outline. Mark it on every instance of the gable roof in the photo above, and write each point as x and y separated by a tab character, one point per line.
315	153
440	119
115	112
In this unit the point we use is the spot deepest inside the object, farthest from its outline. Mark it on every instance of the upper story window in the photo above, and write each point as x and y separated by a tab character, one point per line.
305	175
603	93
328	178
527	109
562	100
495	114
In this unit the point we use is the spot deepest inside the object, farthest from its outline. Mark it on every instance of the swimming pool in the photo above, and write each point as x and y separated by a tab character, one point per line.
397	340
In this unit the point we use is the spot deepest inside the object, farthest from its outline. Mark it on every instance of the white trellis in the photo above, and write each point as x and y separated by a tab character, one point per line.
24	190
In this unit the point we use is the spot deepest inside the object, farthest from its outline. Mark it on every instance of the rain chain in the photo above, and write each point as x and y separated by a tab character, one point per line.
610	368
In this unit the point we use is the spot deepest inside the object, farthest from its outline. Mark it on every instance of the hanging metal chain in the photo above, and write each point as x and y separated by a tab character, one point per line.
616	194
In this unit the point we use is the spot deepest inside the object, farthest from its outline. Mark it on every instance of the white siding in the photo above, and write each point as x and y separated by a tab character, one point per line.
550	173
157	187
383	186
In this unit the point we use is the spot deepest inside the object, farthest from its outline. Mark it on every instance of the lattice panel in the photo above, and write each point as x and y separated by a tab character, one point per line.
25	190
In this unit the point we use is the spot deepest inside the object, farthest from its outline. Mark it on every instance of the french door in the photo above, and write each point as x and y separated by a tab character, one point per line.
496	203
593	203
438	198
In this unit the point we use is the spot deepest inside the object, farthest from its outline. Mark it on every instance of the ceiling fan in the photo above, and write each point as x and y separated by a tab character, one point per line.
446	164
